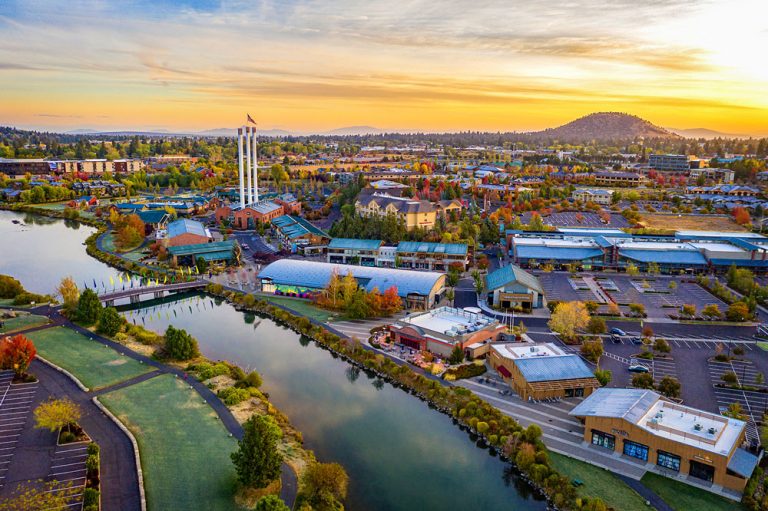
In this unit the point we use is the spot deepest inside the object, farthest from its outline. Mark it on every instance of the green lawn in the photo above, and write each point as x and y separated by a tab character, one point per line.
184	448
600	483
762	345
302	307
21	322
683	497
95	365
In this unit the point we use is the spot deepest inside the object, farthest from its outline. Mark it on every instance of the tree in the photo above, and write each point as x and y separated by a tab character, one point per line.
672	285
603	376
457	355
632	270
730	378
759	379
10	287
592	350
638	309
536	223
741	216
738	311
110	322
53	496
642	381
88	307
652	268
257	459
69	294
591	306
271	503
647	332
450	295
201	264
324	485
179	344
56	414
689	310
596	325
16	353
735	412
669	386
661	345
568	317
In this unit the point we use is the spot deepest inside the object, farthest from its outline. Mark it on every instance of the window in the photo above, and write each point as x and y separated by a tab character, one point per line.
702	471
636	450
669	460
603	439
579	392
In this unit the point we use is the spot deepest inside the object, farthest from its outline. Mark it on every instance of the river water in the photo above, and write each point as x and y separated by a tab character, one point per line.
399	453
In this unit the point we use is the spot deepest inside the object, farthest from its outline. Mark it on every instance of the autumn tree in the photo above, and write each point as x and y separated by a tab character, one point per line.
741	216
53	496
596	325
569	317
711	311
69	294
324	485
669	386
738	311
129	231
56	414
642	381
17	353
257	459
592	350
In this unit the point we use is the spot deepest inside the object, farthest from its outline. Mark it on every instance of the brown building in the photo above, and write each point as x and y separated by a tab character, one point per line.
694	446
186	232
249	216
13	167
542	371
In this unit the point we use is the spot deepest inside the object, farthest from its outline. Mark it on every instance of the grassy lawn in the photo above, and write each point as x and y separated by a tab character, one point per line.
690	222
21	322
184	449
303	307
682	497
763	346
599	483
95	365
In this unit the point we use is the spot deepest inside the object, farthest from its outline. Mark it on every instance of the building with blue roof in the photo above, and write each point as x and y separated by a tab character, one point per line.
691	445
215	252
421	255
542	371
295	231
186	232
420	290
511	287
354	251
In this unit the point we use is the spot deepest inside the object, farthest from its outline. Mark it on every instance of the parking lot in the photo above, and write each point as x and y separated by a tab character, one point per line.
559	287
580	219
15	406
68	470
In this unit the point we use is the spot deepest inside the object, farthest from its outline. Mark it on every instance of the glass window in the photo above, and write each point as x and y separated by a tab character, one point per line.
669	460
603	439
636	450
702	471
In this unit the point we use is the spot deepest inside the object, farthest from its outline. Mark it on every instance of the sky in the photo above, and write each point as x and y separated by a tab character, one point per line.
315	65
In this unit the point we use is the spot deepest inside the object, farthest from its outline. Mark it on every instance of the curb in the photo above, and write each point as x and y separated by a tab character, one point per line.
65	372
125	430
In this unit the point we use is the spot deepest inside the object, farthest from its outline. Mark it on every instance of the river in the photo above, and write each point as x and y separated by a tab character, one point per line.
399	453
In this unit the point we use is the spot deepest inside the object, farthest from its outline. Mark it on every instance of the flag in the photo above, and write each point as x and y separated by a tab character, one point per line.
85	285
165	279
120	277
94	284
250	119
111	281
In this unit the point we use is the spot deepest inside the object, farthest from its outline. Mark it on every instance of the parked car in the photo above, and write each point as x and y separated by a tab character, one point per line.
637	368
618	331
615	339
636	340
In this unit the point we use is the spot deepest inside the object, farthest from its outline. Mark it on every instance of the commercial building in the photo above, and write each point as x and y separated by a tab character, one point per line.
414	213
602	197
512	287
677	441
296	231
214	252
609	178
418	290
542	371
249	216
725	176
421	255
186	232
669	162
440	330
352	251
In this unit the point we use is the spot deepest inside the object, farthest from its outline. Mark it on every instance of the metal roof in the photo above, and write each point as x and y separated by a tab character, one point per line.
353	244
739	262
557	253
316	275
185	225
154	216
512	273
564	367
436	248
295	227
743	463
202	248
629	404
665	256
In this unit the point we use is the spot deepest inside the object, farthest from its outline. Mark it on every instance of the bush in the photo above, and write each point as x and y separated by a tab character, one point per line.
27	298
90	497
730	378
92	463
10	287
67	437
93	448
465	371
233	395
206	371
110	322
253	379
179	345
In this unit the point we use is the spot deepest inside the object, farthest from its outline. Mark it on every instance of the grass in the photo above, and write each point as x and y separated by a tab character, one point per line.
683	497
22	322
600	483
184	448
763	346
690	222
302	307
95	365
8	302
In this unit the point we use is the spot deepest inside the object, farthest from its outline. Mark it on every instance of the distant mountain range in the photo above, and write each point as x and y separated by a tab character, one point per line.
705	133
231	132
605	126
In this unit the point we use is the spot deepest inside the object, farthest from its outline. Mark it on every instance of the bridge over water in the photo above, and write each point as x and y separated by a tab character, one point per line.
135	293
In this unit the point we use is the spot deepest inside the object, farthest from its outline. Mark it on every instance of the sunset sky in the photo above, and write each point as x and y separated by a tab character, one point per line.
403	65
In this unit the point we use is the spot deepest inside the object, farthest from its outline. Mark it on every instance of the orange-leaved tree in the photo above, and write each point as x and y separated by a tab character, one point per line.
16	353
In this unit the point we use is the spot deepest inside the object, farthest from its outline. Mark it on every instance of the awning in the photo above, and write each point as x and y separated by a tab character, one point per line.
504	371
743	463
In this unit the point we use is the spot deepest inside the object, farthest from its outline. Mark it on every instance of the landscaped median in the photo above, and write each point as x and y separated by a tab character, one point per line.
94	364
684	497
184	447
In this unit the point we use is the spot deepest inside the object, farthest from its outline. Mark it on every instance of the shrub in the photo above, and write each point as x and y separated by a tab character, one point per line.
206	371
465	371
110	322
179	345
9	287
93	448
90	497
253	379
730	378
92	463
233	395
67	437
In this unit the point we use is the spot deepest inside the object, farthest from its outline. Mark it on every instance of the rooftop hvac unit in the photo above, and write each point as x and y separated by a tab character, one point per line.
698	427
712	431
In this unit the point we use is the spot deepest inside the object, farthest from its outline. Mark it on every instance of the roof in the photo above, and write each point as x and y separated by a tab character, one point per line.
512	273
665	257
316	275
130	206
187	226
563	367
295	227
436	248
557	253
155	216
353	244
629	404
201	249
743	463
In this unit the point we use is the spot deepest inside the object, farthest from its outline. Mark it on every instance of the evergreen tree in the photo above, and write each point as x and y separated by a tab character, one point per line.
110	322
257	459
88	307
179	344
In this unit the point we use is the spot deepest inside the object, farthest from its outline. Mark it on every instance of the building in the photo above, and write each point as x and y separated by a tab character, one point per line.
186	232
352	251
440	330
249	216
724	176
154	220
512	287
608	178
602	197
19	167
296	231
669	162
126	166
289	202
386	184
214	252
677	441
420	255
418	290
414	213
542	371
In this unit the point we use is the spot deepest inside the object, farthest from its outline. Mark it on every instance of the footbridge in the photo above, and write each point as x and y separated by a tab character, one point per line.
135	293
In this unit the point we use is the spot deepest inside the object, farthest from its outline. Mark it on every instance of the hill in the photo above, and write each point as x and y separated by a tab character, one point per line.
606	126
355	130
705	133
